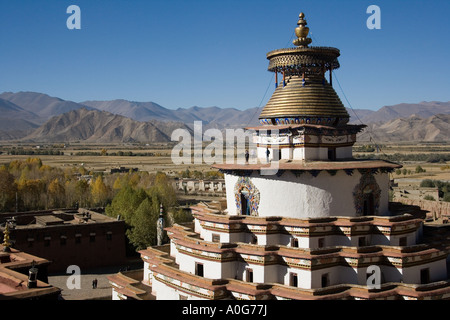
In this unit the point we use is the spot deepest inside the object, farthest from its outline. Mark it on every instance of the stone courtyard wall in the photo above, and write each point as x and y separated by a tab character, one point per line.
436	209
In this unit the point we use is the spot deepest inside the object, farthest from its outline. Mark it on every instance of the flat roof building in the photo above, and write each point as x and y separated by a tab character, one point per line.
68	237
19	282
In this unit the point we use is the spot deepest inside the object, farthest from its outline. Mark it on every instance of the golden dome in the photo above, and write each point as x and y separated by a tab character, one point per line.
304	95
314	101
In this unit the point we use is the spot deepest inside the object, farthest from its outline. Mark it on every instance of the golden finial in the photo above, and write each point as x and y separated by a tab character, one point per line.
301	32
6	243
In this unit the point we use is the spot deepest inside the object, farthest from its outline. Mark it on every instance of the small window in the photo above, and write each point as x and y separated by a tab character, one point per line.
199	269
293	280
63	240
215	237
361	241
425	276
78	238
403	241
47	241
92	237
294	242
249	275
109	236
325	280
321	242
332	154
254	239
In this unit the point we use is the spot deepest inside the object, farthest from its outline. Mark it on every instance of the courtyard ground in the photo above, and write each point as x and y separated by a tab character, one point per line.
86	292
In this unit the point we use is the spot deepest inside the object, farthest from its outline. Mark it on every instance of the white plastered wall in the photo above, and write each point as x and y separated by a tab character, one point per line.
307	196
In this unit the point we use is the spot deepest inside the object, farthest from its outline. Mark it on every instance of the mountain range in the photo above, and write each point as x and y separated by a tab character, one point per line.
102	127
31	116
432	129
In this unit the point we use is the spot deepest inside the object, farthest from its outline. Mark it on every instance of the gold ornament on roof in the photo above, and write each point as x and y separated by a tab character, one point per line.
304	95
6	240
302	32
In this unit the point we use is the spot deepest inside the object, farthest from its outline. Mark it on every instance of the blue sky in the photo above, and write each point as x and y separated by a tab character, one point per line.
213	53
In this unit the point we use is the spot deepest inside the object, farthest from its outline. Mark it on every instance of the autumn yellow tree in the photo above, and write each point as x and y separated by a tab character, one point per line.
8	189
82	194
32	193
119	183
99	192
56	194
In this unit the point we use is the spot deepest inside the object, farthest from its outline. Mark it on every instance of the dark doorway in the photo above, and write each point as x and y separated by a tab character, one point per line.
293	280
199	269
332	154
249	275
325	281
245	203
369	204
425	276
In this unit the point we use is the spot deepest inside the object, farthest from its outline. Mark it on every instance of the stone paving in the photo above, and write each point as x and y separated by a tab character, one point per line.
86	292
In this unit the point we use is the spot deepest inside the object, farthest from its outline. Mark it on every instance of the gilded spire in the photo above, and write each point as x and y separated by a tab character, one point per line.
6	241
305	96
302	32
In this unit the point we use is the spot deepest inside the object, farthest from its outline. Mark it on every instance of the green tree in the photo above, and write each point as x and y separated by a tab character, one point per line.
163	191
427	183
139	209
180	216
125	203
419	169
143	225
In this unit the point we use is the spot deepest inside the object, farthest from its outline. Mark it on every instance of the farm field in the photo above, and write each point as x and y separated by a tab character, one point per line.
439	170
157	157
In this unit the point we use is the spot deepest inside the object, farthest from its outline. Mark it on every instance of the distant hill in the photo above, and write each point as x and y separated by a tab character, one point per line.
10	110
15	122
433	129
23	112
43	106
357	114
102	127
212	117
140	111
405	110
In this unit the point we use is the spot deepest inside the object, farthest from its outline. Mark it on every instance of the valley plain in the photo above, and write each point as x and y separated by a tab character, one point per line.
157	157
